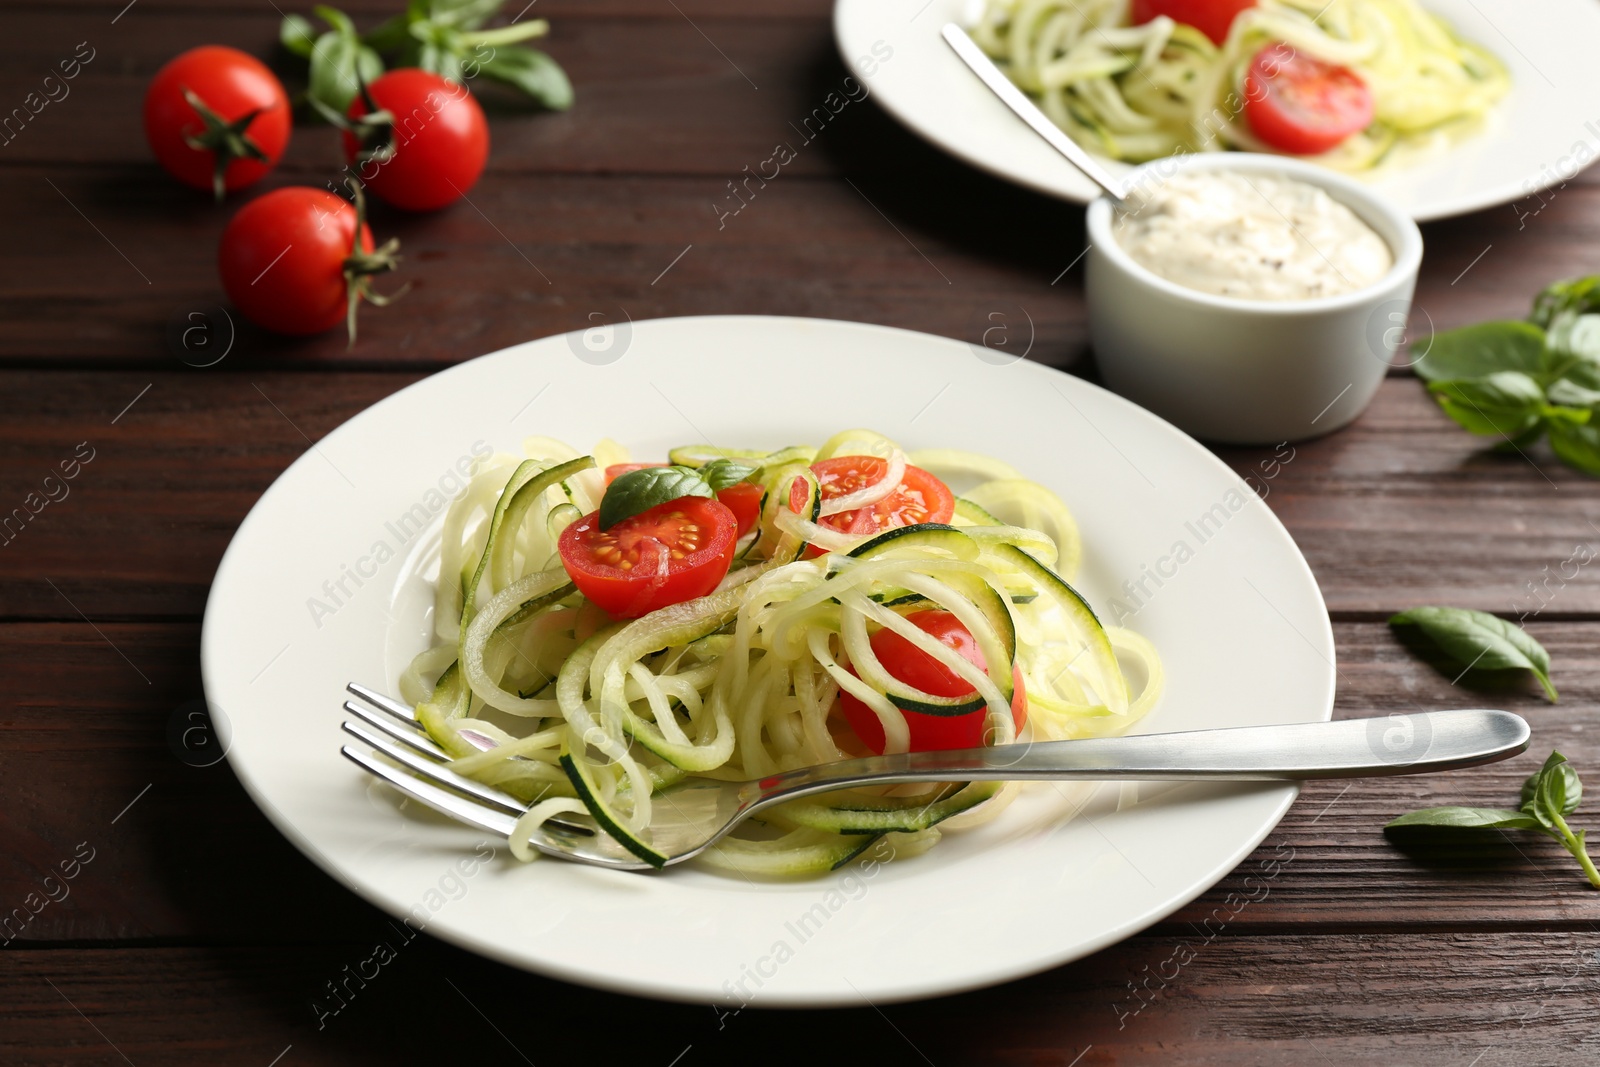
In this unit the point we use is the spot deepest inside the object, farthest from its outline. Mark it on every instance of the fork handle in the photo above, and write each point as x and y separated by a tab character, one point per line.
1349	748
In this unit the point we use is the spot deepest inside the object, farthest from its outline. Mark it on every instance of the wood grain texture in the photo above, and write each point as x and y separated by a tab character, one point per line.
368	13
1401	509
1436	1000
194	859
197	934
575	216
119	253
664	94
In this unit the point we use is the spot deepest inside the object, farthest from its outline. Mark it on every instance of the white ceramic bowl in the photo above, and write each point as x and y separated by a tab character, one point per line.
1248	371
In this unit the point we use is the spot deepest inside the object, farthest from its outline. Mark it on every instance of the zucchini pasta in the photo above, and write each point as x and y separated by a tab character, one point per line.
751	612
1140	92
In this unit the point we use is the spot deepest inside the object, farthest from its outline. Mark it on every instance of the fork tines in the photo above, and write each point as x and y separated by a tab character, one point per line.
417	767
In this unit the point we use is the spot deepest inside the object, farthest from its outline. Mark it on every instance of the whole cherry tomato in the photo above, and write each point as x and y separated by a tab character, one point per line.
418	141
216	118
290	261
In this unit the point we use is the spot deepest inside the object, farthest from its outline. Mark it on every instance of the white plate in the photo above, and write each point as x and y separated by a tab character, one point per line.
1240	623
1541	134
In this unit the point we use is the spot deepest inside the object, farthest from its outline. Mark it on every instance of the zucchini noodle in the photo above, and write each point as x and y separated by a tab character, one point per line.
531	688
1137	93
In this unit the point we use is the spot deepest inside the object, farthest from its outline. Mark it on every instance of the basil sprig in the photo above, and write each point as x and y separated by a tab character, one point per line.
1521	380
1548	797
1481	641
639	491
447	37
340	62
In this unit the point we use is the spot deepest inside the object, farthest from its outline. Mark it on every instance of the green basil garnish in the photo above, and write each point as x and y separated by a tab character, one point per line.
639	491
1481	641
1548	796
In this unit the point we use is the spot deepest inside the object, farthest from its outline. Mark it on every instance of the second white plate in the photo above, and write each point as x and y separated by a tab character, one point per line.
1540	135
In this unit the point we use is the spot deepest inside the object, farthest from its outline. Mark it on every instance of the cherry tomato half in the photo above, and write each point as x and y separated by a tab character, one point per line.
920	497
438	140
743	499
617	470
283	259
1211	17
671	553
1299	104
916	668
243	127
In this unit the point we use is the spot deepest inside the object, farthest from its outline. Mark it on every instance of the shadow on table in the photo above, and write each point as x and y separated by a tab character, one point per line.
933	198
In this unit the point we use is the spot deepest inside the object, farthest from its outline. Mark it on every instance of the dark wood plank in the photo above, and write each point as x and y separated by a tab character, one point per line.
662	94
118	254
97	768
534	257
141	528
367	13
797	248
1403	508
194	859
1413	998
1329	860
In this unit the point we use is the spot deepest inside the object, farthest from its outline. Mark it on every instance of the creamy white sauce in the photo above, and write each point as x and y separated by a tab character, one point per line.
1254	236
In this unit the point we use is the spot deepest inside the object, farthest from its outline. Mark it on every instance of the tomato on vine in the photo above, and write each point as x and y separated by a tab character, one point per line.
418	140
297	260
216	118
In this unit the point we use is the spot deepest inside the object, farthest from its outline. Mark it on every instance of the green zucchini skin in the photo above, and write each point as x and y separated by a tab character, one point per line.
602	814
881	815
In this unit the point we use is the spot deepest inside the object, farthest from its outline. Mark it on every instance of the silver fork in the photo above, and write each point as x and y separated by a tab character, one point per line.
692	816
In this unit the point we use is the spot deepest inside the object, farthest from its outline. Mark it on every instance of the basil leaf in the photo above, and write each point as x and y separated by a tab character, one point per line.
393	33
1571	394
1548	796
1466	819
338	60
1574	294
640	490
463	14
1482	641
1552	788
721	473
1577	445
448	65
1572	334
531	71
337	19
1530	787
1505	403
1475	351
296	34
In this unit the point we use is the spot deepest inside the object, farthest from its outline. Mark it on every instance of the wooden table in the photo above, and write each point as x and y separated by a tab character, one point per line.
193	933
